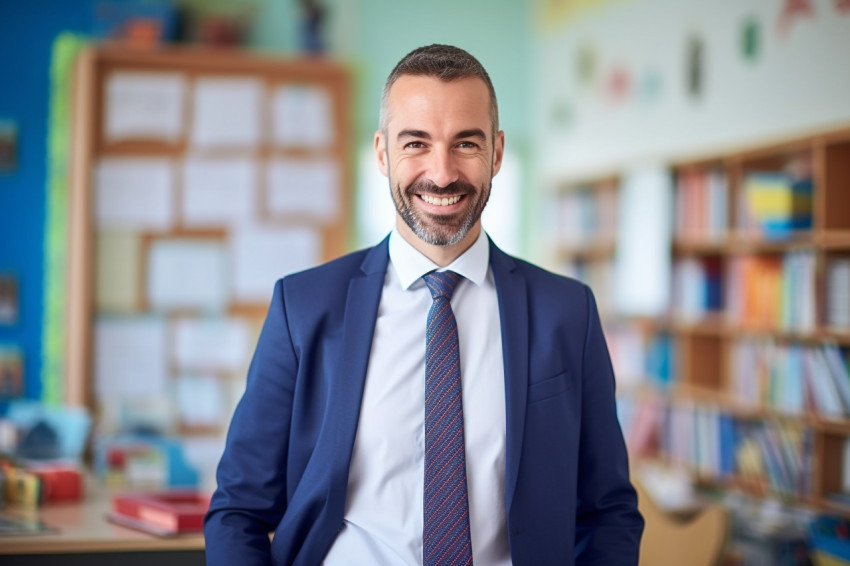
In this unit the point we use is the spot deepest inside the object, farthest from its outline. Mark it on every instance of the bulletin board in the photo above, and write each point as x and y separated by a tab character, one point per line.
199	177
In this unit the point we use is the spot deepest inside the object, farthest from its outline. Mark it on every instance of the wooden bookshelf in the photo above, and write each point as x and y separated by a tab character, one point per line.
781	320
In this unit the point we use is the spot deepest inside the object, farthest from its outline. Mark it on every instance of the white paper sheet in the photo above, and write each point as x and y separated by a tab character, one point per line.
262	255
130	358
146	106
185	273
212	344
303	187
134	193
642	268
227	112
302	116
200	400
218	192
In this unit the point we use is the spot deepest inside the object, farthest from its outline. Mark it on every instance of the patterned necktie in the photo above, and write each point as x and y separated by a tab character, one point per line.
446	537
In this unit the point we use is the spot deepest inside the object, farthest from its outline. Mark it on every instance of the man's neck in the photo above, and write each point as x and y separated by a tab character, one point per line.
440	255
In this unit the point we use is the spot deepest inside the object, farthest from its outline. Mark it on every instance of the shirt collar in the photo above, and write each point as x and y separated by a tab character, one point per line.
410	265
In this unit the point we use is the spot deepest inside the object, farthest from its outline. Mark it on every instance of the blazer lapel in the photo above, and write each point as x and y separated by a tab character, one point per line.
513	314
361	309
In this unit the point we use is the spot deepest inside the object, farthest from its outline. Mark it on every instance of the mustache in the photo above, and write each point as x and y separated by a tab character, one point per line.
428	186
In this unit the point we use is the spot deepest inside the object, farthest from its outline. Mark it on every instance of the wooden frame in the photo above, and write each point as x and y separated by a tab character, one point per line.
94	66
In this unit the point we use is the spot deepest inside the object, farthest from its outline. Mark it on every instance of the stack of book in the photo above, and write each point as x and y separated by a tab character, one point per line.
701	205
166	513
772	292
778	203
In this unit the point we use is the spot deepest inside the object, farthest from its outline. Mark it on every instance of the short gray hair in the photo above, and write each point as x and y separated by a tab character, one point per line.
444	62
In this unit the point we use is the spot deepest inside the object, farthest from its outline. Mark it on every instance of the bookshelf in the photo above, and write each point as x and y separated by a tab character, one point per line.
198	178
752	392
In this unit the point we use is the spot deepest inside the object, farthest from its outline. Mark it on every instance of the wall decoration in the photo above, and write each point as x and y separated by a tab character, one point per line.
695	64
8	299
618	84
11	372
586	66
793	10
751	39
650	85
8	146
551	14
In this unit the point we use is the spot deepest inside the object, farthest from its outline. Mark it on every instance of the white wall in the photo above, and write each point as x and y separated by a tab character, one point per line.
799	81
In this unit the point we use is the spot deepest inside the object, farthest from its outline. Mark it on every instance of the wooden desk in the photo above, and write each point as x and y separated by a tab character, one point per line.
85	534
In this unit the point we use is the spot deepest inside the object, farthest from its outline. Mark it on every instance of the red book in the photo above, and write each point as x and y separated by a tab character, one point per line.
162	513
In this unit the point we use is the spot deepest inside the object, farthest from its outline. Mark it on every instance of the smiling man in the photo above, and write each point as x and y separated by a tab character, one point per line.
430	400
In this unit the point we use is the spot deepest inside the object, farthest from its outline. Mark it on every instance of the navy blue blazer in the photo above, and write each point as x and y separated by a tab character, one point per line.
285	465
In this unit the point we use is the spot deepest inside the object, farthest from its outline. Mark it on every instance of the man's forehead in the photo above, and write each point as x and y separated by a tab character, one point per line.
406	84
411	94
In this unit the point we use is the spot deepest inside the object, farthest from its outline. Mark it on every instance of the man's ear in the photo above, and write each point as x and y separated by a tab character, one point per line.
381	152
498	151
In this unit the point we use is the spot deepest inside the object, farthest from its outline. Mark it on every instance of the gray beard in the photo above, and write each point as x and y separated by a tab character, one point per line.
428	234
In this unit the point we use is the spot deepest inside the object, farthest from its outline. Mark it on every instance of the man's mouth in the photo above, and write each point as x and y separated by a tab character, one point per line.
441	201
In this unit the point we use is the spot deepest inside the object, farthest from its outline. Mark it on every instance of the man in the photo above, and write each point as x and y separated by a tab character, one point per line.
358	443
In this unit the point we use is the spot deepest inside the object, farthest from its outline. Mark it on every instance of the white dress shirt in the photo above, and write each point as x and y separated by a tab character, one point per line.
383	510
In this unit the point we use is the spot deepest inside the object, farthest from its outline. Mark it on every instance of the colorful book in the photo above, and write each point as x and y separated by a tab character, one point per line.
161	513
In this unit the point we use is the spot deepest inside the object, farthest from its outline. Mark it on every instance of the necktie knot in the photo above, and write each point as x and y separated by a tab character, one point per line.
441	283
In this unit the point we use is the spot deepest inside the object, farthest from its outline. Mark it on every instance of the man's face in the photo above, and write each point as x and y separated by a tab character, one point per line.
440	155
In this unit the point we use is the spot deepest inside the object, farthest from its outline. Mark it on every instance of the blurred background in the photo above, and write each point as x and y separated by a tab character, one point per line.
163	162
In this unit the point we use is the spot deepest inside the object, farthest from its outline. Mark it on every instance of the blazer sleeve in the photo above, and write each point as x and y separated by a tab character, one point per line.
251	495
608	524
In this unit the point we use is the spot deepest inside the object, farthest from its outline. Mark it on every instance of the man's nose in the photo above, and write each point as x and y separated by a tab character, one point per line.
442	168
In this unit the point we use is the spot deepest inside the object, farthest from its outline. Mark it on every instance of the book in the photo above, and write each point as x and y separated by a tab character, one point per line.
161	513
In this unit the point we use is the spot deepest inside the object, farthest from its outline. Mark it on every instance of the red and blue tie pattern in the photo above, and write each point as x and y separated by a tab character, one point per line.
446	538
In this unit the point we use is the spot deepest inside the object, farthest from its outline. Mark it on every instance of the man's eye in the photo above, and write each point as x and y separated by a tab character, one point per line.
467	145
414	145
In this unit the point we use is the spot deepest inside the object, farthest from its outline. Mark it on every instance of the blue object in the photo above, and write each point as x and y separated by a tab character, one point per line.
831	536
175	471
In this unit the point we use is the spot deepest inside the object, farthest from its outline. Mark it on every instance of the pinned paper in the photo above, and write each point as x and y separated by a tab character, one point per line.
302	116
185	273
134	193
130	357
212	344
144	106
304	187
227	112
219	191
263	255
200	401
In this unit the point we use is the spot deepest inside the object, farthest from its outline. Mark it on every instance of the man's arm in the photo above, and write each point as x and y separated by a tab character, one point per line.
251	495
608	524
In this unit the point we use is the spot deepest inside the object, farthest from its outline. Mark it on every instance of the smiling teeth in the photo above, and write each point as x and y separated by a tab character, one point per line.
440	201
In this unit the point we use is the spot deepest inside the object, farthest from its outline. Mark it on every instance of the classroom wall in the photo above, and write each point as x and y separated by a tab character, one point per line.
27	30
621	81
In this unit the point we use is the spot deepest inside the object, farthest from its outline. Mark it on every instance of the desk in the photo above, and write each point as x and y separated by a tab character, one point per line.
85	537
